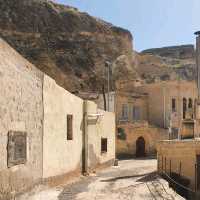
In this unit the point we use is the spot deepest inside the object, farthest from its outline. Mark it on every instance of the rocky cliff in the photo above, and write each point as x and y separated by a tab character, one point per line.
72	47
176	52
68	45
167	63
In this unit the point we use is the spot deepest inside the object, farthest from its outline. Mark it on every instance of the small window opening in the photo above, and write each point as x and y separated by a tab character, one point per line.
190	103
69	127
184	107
104	145
173	105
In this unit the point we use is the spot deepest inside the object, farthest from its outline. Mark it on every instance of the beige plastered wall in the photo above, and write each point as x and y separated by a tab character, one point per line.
61	156
100	127
21	109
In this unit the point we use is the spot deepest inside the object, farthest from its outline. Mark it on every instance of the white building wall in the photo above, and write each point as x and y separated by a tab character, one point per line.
21	109
61	156
100	127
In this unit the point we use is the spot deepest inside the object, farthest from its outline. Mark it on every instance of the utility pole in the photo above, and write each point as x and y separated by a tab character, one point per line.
108	64
198	72
197	108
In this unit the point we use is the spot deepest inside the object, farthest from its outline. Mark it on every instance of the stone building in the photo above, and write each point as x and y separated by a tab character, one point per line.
46	133
179	159
148	113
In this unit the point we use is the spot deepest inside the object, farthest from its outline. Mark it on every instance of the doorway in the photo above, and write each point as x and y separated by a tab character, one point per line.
140	147
197	173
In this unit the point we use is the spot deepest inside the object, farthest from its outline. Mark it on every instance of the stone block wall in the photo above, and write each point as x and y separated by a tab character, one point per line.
150	134
183	156
21	110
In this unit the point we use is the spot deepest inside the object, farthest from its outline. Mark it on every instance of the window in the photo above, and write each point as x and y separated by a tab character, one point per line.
136	113
190	103
173	105
104	144
125	112
69	127
184	107
16	148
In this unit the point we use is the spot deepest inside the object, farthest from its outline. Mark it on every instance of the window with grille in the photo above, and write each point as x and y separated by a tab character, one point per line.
16	148
136	113
104	145
69	127
125	112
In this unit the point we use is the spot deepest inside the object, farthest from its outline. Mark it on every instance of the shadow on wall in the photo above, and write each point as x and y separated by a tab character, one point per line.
93	159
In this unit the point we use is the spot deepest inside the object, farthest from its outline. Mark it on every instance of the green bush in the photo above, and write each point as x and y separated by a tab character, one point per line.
121	134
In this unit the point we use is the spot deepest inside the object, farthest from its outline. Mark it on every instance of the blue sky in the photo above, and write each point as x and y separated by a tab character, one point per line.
153	23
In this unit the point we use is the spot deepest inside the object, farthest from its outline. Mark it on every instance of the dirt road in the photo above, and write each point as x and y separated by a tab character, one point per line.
131	180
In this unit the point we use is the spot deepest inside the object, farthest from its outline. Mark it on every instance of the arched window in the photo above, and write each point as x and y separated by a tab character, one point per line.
184	107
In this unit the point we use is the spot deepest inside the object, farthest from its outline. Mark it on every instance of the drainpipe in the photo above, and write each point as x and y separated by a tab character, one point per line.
85	141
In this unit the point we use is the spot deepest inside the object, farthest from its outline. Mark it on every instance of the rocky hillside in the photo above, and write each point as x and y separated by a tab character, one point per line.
175	52
72	47
167	63
68	45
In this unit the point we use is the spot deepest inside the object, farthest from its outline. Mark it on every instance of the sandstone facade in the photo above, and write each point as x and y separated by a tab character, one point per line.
150	112
180	157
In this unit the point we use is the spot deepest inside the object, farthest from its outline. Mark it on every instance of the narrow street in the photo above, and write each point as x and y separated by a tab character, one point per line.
132	179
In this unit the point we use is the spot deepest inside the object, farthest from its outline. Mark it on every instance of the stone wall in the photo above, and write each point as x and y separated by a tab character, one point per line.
179	151
160	100
151	135
131	100
21	109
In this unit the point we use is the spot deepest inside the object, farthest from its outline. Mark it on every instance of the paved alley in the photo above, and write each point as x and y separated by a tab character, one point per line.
132	179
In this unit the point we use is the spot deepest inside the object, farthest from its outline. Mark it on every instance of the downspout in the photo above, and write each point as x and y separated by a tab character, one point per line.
85	140
104	97
43	116
116	124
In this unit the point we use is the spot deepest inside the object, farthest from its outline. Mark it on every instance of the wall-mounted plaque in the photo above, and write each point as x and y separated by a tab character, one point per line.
16	149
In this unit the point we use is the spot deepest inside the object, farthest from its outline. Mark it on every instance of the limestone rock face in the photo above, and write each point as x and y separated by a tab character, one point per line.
168	63
68	45
176	52
72	47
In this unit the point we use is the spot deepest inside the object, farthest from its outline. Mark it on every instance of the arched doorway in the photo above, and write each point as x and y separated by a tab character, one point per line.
140	147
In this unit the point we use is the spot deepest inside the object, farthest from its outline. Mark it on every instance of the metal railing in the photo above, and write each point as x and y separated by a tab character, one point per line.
177	180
